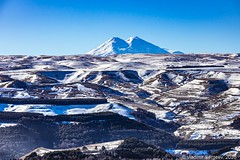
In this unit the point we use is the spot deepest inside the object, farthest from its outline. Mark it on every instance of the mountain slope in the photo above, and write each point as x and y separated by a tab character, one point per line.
114	45
133	45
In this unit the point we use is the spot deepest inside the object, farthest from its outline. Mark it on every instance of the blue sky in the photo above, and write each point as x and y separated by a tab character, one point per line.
58	27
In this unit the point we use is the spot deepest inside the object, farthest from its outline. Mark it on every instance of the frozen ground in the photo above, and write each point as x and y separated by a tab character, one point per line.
52	110
89	149
199	92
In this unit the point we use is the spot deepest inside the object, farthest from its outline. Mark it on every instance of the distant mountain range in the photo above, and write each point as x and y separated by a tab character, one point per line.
133	45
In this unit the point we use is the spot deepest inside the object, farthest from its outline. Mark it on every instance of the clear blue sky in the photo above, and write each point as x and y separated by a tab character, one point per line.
60	27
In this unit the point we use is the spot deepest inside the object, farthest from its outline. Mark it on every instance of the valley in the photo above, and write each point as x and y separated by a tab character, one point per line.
178	102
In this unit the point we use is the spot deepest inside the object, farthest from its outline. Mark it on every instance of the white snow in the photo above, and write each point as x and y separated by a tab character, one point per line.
200	131
109	47
111	107
216	75
91	148
25	76
84	89
188	152
30	108
70	109
177	78
119	46
233	91
73	77
4	125
191	86
234	79
108	145
194	85
123	76
230	154
22	94
10	89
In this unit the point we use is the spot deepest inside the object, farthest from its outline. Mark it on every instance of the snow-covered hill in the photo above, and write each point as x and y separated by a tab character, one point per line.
194	97
200	92
132	45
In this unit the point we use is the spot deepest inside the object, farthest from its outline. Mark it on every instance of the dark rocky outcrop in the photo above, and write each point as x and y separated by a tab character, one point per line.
131	148
65	131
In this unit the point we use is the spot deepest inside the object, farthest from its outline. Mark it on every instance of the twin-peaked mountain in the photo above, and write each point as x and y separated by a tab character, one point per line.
133	45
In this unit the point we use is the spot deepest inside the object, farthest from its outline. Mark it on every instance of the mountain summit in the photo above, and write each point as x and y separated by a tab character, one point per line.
133	45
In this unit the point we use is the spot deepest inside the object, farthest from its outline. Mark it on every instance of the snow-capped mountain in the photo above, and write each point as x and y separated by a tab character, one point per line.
132	45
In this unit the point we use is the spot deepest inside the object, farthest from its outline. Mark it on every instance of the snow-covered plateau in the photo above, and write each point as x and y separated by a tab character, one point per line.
196	95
